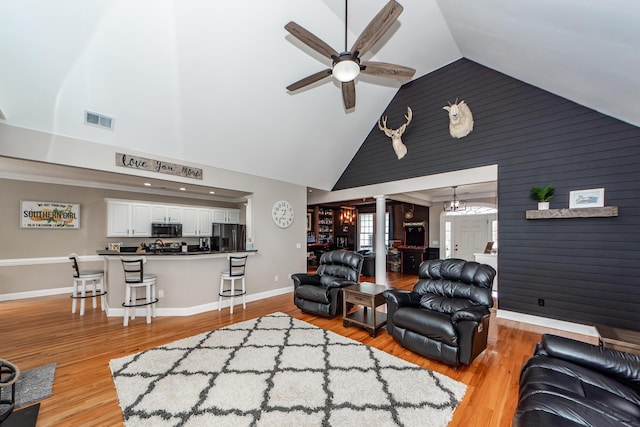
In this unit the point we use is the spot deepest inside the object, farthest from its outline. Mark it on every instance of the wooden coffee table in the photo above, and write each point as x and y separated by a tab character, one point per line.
369	296
619	339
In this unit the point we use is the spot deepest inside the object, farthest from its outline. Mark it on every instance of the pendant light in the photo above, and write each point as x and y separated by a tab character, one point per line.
455	205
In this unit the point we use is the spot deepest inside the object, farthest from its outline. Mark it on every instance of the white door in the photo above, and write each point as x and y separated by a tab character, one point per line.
470	235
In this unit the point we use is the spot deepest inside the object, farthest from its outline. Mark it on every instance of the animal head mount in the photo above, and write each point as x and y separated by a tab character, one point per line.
408	214
460	119
396	134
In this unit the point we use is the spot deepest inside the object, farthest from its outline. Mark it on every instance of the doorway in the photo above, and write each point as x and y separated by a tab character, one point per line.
467	233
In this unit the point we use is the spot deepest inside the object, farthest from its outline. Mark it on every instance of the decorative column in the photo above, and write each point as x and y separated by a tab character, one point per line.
380	247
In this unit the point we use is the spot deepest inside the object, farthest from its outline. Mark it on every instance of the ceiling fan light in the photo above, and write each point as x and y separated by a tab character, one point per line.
345	70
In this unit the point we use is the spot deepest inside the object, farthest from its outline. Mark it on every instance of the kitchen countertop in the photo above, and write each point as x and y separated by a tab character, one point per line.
169	253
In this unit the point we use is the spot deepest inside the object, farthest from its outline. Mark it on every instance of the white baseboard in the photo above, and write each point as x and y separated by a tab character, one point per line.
547	323
34	294
189	311
14	262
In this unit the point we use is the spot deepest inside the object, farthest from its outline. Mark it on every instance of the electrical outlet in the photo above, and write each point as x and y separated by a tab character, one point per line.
275	279
541	302
289	276
161	293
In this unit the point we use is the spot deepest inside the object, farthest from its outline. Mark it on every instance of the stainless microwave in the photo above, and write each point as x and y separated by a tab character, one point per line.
162	229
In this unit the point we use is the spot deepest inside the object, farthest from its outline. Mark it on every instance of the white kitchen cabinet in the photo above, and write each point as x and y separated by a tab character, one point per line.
118	219
166	213
125	219
205	218
196	222
189	222
233	216
133	219
227	216
219	215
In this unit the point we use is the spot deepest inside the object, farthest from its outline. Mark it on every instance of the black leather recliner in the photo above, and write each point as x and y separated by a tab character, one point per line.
320	293
446	316
568	383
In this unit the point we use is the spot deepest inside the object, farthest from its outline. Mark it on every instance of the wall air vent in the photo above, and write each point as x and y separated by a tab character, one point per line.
96	119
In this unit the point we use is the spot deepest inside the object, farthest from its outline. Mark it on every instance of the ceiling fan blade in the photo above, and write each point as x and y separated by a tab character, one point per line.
309	79
349	94
377	27
384	69
310	40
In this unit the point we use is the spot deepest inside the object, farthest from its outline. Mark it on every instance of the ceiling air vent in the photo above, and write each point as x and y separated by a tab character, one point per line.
96	119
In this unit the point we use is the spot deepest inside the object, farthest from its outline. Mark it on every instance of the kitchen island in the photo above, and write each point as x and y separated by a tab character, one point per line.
188	282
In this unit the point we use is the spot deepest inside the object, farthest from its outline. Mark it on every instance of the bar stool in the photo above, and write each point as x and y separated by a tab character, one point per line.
9	374
134	278
235	272
80	279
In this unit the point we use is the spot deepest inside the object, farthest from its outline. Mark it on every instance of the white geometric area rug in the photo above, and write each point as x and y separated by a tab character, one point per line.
279	371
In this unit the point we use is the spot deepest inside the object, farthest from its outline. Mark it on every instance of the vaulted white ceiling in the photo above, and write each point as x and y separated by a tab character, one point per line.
204	81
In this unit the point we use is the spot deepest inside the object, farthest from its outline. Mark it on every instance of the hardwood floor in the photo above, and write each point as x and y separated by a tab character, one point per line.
43	330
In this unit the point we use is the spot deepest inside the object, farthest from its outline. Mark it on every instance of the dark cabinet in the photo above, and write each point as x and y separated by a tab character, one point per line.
411	259
432	253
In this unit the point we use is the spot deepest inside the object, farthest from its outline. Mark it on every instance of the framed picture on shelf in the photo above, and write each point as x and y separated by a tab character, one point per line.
592	198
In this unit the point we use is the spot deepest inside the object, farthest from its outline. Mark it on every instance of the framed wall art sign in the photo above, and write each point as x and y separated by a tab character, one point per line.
592	198
50	215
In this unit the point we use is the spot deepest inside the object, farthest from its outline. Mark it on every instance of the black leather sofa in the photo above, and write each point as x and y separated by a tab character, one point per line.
569	383
446	316
320	293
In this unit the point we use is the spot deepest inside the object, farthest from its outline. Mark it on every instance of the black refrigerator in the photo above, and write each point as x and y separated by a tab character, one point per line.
228	237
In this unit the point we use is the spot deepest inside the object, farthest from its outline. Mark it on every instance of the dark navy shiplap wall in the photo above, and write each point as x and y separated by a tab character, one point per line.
586	270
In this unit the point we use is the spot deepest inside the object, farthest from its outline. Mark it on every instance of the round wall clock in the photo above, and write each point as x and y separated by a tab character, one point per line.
282	213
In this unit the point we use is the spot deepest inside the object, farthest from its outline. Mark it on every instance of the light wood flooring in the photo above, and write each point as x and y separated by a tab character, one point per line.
37	331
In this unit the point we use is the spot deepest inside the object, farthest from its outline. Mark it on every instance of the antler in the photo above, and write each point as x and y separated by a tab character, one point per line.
383	127
409	115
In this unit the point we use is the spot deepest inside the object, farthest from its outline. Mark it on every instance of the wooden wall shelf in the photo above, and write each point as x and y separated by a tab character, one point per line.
607	211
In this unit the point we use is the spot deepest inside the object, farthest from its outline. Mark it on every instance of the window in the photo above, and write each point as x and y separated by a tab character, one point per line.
494	234
366	231
386	229
447	240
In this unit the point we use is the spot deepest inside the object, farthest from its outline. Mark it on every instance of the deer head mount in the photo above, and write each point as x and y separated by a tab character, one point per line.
396	134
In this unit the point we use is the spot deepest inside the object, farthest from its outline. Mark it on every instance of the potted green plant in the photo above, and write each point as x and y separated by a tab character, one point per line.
542	195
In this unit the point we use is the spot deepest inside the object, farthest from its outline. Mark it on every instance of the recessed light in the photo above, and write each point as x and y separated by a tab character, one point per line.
148	184
183	189
212	192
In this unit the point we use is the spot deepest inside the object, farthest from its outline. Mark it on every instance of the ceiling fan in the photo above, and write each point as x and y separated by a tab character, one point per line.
347	65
